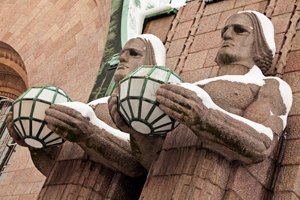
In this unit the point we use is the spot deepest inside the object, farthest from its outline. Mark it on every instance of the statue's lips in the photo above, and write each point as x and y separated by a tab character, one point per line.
121	66
227	44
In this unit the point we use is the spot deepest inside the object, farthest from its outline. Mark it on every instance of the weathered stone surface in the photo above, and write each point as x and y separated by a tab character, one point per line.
288	180
208	23
293	63
262	172
196	75
245	185
281	22
295	110
292	79
259	7
291	154
245	3
160	27
219	7
183	30
282	7
206	41
190	11
176	48
293	124
195	61
285	195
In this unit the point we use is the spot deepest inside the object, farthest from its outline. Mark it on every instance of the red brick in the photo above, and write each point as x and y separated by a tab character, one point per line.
291	154
288	179
208	23
206	41
283	7
295	110
6	190
190	11
183	30
172	63
22	176
285	195
6	36
176	48
195	61
23	188
240	3
281	22
293	124
279	39
214	72
259	7
293	62
263	171
231	195
296	41
245	185
210	59
225	15
219	7
196	75
36	188
28	197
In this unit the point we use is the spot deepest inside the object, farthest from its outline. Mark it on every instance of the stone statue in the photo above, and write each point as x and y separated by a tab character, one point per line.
101	143
241	113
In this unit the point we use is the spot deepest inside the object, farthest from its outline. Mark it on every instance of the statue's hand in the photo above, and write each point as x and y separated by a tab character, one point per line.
118	120
181	104
68	123
12	131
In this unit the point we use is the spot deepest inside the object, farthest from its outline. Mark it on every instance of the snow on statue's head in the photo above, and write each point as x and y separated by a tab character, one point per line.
144	49
258	33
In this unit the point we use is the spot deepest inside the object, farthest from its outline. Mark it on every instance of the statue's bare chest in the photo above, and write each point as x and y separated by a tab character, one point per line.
233	97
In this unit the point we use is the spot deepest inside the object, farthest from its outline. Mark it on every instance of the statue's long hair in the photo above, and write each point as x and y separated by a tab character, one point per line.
263	56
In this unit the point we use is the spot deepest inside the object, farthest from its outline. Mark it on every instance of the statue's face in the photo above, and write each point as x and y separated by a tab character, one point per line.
237	41
133	55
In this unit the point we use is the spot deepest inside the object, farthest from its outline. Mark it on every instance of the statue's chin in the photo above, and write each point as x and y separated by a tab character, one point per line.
118	76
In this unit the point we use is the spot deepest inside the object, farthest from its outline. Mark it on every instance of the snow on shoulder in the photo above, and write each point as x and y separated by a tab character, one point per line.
87	111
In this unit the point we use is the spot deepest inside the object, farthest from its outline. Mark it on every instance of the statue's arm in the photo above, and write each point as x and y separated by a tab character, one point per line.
252	135
102	143
144	147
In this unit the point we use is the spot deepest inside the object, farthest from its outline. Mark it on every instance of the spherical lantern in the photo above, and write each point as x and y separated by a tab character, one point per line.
29	114
137	100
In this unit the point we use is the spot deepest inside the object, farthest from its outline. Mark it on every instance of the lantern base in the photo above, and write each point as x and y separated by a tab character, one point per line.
141	127
33	143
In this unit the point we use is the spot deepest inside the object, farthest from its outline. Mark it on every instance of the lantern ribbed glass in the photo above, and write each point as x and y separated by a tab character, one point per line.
29	114
137	100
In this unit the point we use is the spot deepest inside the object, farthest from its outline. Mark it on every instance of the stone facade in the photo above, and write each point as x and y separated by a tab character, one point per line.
61	43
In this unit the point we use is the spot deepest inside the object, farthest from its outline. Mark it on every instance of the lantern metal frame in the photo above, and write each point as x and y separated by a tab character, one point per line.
22	134
130	119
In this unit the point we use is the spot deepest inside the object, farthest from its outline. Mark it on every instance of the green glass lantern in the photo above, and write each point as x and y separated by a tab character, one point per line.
29	114
137	100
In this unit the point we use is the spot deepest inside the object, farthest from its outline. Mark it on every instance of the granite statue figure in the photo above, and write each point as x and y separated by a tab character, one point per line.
95	132
240	113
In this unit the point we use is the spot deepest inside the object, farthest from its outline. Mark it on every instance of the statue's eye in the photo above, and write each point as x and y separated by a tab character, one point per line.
133	53
240	30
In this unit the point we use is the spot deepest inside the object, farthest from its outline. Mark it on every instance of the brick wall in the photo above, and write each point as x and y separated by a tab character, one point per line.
61	43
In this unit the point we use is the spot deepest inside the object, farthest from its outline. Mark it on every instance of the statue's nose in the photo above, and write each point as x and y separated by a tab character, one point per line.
228	33
124	56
